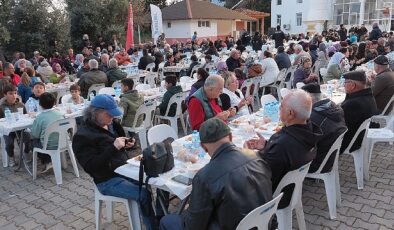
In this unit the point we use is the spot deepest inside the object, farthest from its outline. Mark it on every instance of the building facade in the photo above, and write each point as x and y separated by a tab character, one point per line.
300	16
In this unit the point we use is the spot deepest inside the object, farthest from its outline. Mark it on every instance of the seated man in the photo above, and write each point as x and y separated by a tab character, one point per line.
383	83
358	106
114	73
99	146
172	88
12	103
33	104
84	68
205	102
47	116
230	186
94	76
234	62
122	57
293	146
145	60
130	101
329	117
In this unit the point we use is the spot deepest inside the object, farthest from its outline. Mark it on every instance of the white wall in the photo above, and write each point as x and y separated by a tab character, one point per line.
186	28
311	10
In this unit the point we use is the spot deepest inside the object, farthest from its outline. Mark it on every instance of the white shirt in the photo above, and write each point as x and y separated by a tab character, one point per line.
270	71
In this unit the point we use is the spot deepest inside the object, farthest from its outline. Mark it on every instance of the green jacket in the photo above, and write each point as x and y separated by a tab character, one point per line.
333	72
166	99
115	74
13	108
130	102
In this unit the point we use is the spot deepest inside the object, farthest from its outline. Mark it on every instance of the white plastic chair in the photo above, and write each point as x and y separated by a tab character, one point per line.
59	95
185	79
284	92
194	70
57	155
146	110
290	71
150	67
95	88
256	100
142	87
390	103
247	84
131	207
359	155
107	90
150	79
158	133
284	215
331	178
66	98
268	98
323	73
261	216
299	85
375	135
177	99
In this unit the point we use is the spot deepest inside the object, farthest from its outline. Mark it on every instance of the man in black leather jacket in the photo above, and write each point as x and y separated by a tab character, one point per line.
230	186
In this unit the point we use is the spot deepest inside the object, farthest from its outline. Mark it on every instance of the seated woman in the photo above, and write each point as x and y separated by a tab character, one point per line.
336	66
304	73
25	87
114	73
75	98
100	146
270	69
221	67
232	97
172	88
202	75
58	73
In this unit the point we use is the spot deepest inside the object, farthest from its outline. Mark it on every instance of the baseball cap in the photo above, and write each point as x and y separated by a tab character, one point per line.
108	103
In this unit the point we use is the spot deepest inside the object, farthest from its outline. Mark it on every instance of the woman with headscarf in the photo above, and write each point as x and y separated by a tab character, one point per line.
360	54
44	70
304	72
78	63
336	66
322	55
221	66
58	73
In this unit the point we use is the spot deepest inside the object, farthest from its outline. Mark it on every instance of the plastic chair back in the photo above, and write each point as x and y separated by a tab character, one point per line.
146	110
65	98
363	127
150	67
333	150
299	85
158	133
284	92
185	79
142	87
247	84
95	88
107	90
194	70
61	127
150	79
295	177
177	99
59	96
260	217
390	105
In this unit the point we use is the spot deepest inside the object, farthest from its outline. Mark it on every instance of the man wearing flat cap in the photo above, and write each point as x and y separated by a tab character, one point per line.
230	186
382	83
330	119
358	106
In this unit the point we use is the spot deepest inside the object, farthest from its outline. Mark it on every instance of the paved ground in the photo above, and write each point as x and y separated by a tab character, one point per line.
41	204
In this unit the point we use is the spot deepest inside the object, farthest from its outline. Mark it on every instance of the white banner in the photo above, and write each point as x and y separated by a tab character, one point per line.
157	22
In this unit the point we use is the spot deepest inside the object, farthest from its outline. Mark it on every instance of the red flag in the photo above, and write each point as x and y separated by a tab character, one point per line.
130	29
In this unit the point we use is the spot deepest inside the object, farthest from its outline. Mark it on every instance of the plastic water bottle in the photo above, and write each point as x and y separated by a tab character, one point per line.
8	115
30	106
195	139
117	91
275	112
341	81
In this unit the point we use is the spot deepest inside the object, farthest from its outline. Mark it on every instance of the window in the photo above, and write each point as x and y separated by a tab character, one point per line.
347	12
299	1
204	24
299	19
168	24
278	20
279	2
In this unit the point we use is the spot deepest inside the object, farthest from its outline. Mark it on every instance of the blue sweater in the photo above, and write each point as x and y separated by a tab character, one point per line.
25	91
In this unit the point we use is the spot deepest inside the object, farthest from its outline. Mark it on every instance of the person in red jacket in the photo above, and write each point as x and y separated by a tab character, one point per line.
9	71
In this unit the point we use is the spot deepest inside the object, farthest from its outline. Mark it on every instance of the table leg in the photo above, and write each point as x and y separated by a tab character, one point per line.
183	204
22	159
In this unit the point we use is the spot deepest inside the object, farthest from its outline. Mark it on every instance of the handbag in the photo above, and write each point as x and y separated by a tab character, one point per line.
156	159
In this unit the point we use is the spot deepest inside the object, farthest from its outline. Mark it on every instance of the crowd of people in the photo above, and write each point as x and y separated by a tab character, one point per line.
220	195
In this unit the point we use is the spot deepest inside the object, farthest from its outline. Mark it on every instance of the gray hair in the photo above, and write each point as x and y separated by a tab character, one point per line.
104	56
113	63
212	81
298	47
90	115
300	102
227	77
93	64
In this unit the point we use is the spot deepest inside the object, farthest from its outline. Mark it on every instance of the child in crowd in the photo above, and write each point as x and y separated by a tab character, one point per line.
75	98
12	102
172	88
32	104
130	101
47	116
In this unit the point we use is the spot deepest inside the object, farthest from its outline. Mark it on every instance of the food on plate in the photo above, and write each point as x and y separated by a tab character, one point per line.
236	122
188	138
267	120
184	156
